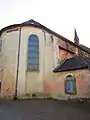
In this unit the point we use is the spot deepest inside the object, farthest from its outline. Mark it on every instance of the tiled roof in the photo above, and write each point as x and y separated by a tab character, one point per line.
31	22
85	47
74	63
38	25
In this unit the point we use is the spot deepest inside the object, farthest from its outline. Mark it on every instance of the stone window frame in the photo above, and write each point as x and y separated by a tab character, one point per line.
74	92
33	65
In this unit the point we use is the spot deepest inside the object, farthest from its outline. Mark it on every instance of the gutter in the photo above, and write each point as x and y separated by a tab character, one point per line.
18	57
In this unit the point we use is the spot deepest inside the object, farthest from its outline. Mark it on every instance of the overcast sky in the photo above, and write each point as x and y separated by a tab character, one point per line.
62	16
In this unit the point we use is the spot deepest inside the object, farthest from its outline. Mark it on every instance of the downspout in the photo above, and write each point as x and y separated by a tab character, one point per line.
18	57
44	71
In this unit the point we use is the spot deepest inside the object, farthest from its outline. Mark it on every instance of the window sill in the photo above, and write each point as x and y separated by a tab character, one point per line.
71	93
28	70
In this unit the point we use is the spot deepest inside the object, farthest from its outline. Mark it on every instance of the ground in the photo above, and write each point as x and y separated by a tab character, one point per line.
44	110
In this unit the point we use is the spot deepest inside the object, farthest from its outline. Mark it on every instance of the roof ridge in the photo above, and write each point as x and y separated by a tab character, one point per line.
62	62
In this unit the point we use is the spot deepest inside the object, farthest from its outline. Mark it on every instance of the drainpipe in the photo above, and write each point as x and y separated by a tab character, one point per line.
18	57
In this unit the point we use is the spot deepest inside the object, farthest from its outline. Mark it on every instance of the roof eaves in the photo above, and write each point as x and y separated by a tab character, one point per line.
66	50
70	69
47	29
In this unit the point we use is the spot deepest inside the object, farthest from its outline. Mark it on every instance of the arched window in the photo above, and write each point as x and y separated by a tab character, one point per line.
70	85
33	53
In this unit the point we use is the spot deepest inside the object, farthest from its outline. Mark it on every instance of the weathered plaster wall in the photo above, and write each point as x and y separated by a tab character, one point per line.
32	82
28	81
64	54
82	84
8	62
44	80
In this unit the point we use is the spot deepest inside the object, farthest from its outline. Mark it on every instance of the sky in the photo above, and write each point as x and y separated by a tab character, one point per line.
62	16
